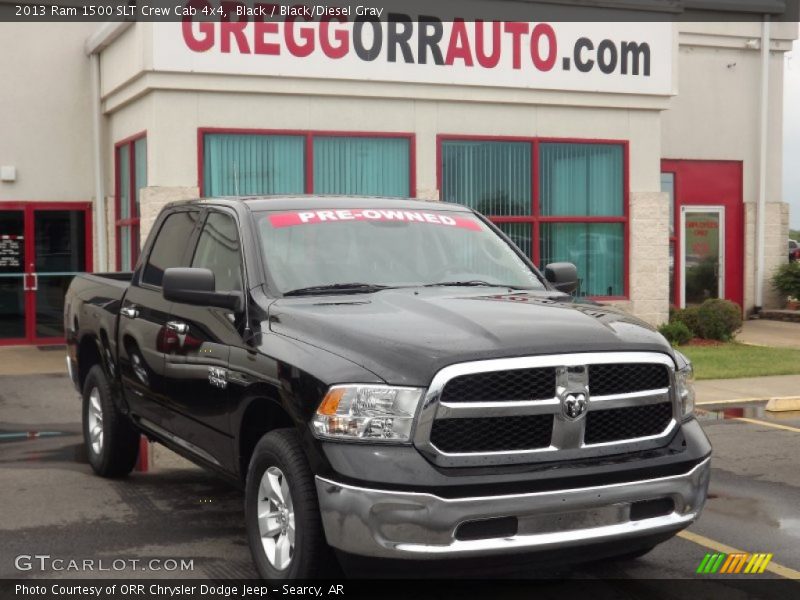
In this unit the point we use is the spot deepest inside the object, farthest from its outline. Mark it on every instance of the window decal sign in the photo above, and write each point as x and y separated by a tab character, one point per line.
412	48
310	217
10	251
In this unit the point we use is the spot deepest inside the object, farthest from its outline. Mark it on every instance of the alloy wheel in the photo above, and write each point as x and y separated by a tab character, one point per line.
276	518
95	421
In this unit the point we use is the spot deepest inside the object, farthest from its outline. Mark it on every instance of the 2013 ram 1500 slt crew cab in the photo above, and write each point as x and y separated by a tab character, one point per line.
389	378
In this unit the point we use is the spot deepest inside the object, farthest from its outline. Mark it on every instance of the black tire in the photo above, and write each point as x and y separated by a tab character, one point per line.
311	557
116	454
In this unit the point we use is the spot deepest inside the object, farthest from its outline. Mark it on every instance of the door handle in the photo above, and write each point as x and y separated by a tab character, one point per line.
178	327
30	288
129	311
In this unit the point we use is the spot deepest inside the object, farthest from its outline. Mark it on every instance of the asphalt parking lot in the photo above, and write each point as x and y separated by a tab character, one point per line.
52	503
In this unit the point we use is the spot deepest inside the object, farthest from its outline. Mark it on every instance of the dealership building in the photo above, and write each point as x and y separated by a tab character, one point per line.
648	153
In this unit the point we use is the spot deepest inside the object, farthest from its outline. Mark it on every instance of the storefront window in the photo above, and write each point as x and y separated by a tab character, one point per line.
494	178
581	179
131	177
361	165
242	165
596	249
266	163
574	212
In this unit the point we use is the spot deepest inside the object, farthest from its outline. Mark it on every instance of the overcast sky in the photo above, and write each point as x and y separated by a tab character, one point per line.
791	134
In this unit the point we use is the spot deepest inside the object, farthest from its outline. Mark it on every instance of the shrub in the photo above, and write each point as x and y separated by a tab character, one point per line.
689	317
719	319
714	319
786	279
677	333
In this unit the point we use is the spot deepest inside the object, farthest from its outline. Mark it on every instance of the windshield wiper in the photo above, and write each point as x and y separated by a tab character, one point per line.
470	283
343	288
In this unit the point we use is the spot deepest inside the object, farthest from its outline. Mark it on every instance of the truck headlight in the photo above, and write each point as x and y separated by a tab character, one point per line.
375	413
684	380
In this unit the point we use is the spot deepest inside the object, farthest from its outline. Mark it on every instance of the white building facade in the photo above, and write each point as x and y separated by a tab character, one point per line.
633	150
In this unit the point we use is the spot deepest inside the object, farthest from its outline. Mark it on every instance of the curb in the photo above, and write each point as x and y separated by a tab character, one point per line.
735	401
773	404
783	404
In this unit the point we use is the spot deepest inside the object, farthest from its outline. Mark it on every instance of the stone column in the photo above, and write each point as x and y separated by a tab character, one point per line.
649	256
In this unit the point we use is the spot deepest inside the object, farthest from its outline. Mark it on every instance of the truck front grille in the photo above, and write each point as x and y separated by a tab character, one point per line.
614	424
626	378
492	434
518	409
519	384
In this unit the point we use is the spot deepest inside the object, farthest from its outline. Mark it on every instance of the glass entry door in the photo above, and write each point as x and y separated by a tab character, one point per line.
42	247
13	280
702	254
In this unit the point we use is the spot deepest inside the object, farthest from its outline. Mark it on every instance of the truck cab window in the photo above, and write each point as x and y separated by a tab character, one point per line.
218	250
169	246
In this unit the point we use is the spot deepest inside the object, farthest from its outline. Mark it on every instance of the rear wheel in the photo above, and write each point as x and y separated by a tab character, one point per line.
112	443
282	513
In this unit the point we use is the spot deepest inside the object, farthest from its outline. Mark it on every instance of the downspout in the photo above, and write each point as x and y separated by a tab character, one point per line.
101	227
761	206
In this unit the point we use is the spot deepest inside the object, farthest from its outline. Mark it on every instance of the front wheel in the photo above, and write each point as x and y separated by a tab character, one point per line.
282	513
112	443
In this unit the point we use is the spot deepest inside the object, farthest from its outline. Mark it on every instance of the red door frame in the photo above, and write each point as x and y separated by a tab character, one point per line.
28	208
711	183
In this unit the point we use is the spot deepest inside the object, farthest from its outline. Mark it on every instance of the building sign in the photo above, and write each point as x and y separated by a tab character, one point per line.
569	56
10	251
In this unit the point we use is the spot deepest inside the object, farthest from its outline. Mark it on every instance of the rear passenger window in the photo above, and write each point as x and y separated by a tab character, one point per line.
218	249
169	246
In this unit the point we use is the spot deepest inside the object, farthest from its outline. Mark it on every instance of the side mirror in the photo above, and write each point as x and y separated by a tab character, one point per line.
563	276
197	286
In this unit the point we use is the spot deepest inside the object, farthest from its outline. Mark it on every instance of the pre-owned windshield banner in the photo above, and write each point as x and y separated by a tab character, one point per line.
312	217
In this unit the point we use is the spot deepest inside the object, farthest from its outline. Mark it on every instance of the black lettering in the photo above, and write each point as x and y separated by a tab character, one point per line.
607	66
584	66
364	53
400	30
635	51
430	34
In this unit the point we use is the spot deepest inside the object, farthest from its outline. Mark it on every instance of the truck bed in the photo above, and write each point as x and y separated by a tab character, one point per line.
91	307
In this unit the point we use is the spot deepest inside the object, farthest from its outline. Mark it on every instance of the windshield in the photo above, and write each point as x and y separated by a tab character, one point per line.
356	249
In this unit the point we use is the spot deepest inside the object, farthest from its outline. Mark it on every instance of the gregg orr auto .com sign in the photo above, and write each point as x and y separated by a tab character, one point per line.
353	43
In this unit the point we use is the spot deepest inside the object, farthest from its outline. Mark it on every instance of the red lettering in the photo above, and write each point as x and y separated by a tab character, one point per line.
206	41
487	61
341	36
262	29
517	30
306	34
459	44
543	30
235	29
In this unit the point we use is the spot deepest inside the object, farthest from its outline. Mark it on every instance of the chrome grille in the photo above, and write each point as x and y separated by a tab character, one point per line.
517	384
624	379
492	434
625	423
515	410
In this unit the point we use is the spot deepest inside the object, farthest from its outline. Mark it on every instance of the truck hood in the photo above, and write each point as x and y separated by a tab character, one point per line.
406	335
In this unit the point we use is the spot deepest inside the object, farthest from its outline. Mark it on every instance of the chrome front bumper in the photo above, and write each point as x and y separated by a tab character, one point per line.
392	524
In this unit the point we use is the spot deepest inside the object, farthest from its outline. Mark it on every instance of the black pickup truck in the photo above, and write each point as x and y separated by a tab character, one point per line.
386	378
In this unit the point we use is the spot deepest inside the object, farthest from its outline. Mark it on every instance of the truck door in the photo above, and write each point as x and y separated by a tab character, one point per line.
144	316
197	365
